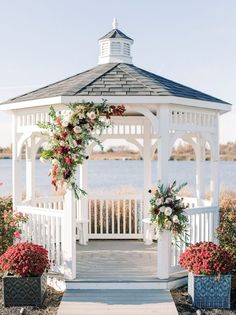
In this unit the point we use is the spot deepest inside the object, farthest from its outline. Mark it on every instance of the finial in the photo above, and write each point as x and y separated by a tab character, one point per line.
114	24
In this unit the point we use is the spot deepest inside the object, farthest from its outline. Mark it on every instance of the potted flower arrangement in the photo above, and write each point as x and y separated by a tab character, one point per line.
24	282
167	210
209	281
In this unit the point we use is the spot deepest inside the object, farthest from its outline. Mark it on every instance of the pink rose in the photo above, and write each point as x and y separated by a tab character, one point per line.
17	235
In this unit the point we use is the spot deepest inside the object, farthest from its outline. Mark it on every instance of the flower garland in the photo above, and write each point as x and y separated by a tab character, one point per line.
68	134
167	210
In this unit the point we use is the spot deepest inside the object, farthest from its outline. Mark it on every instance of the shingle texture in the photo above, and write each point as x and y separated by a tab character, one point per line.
115	80
115	33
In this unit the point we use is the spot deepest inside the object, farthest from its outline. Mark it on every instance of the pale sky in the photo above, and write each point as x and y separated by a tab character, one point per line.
191	42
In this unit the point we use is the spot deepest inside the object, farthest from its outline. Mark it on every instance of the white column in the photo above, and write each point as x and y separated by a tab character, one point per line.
164	240
147	161
200	170
16	165
69	235
30	170
83	204
215	157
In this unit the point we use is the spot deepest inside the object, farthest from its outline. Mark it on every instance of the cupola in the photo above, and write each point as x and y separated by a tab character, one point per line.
115	46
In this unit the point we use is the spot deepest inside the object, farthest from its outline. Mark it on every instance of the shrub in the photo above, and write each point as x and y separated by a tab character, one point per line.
25	260
10	223
227	228
207	258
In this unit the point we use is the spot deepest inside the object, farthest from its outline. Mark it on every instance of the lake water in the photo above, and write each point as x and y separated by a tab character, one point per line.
127	176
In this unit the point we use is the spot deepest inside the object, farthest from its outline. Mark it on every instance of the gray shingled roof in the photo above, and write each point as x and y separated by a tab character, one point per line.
115	33
115	79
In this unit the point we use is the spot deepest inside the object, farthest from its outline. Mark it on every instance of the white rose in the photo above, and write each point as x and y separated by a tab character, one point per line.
175	219
43	160
162	209
74	143
158	202
91	115
62	142
81	115
77	129
65	123
168	211
168	200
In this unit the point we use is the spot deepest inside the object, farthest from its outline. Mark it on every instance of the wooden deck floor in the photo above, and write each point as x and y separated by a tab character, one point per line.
117	302
116	261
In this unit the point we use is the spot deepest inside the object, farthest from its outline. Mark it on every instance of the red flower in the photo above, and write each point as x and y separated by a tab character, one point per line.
25	260
207	258
58	121
68	160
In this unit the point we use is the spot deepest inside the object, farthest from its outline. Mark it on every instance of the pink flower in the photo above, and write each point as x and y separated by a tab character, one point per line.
17	235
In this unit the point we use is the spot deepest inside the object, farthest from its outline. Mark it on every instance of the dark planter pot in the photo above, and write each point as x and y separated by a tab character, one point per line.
209	291
24	291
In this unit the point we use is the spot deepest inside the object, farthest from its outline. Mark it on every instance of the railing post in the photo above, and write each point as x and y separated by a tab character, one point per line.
164	240
147	160
200	170
83	203
16	165
69	235
30	170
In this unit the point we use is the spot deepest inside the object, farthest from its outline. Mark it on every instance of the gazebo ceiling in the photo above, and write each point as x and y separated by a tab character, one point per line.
115	79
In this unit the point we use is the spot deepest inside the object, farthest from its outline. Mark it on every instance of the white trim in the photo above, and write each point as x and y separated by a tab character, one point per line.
129	100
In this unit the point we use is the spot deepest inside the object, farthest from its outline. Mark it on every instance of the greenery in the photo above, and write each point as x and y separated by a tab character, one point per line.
68	134
227	228
167	210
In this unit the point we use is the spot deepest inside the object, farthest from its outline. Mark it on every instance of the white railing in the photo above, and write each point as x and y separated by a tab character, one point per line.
115	217
195	203
44	227
52	202
192	119
202	227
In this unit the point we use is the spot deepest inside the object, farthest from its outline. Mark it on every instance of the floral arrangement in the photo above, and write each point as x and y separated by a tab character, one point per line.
207	258
69	132
167	210
24	260
10	224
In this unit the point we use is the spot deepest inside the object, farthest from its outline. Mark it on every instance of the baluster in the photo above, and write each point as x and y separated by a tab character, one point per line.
53	238
107	222
90	217
124	216
113	216
135	216
118	216
49	237
101	216
130	211
57	258
95	216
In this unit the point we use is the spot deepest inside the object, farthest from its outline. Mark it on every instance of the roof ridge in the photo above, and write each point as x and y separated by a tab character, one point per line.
97	78
137	79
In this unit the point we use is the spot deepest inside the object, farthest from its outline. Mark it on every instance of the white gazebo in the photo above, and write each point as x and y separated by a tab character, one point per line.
158	112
